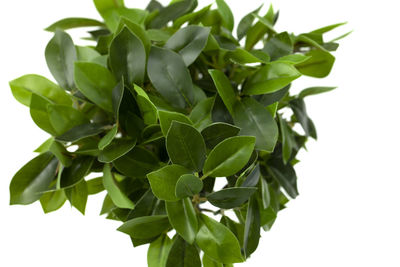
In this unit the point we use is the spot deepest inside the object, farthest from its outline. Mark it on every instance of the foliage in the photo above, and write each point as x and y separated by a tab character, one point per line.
166	102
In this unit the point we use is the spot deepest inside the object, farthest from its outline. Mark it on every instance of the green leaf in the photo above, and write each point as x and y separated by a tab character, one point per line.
128	57
231	197
224	88
201	113
81	131
189	42
147	108
293	59
61	154
138	30
278	46
64	118
182	217
164	180
116	149
170	76
255	33
208	262
23	87
254	119
45	146
167	117
192	17
76	172
78	195
95	185
117	196
251	228
285	176
106	140
158	251
217	241
226	14
33	179
287	139
38	111
116	98
265	195
173	11
52	201
328	28
252	179
300	112
71	23
145	227
270	78
185	146
183	254
319	64
218	132
229	156
188	185
60	57
314	91
245	23
137	163
96	83
242	57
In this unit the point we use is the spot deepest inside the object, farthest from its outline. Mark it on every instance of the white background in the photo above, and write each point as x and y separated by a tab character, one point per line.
347	213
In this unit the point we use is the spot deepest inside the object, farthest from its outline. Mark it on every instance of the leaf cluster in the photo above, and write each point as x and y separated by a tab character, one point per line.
165	102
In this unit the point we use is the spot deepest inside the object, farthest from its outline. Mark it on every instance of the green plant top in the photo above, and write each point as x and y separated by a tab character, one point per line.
165	102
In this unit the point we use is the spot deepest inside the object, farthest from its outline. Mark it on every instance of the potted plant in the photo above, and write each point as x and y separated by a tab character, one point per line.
165	102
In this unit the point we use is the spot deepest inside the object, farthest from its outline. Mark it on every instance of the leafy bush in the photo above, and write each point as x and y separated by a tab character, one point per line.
166	102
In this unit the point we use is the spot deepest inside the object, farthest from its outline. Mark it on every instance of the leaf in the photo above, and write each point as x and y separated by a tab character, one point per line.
285	176
258	30
183	254
287	139
270	78
254	119
167	117
293	59
226	14
52	201
217	241
173	11
117	96
60	57
163	181
147	108
71	23
192	17
111	185
61	153
229	156
253	178
116	149
278	46
218	132
136	29
23	87
137	163
314	91
78	195
319	65
76	172
38	111
328	28
242	57
188	185
231	197
145	227
185	146
33	179
252	228
45	146
81	131
170	76
189	42
299	109
265	195
182	217
64	118
208	262
245	23
106	140
158	251
201	113
95	185
96	83
128	57
224	88
268	99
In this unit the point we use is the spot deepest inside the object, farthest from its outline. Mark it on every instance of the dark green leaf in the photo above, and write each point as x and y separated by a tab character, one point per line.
138	30
183	254
285	176
81	131
201	113
60	57
314	91
33	179
217	241
145	227
71	23
252	228
128	57
254	119
224	88
229	156
78	195
218	132
185	146
114	191
226	14
106	140
319	65
76	172
182	217
253	178
171	78
116	149
137	163
299	109
231	197
189	42
278	46
173	11
188	185
64	118
167	117
245	23
287	139
163	181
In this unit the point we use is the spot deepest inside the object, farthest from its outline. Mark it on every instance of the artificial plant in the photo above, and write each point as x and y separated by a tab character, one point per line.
166	101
